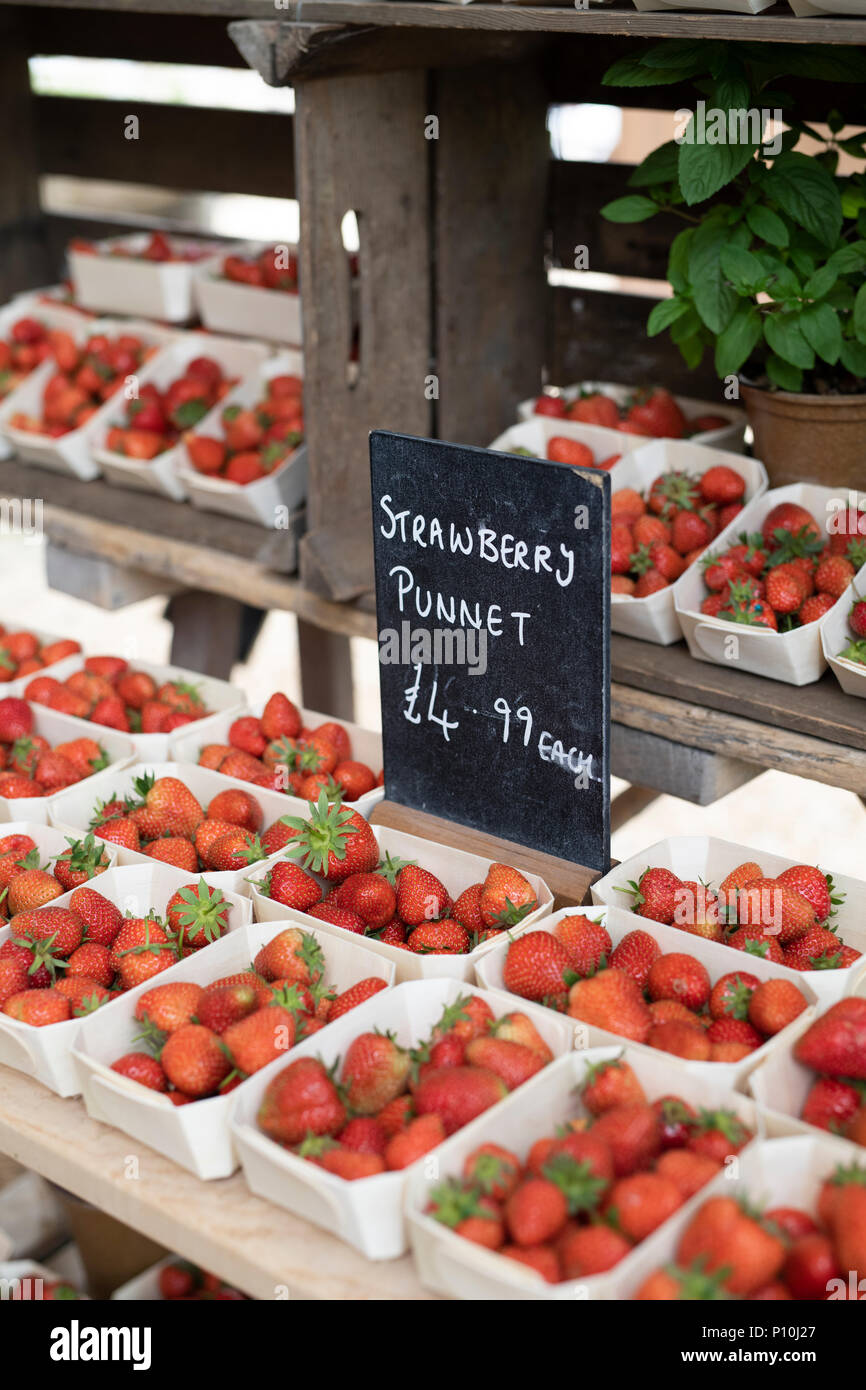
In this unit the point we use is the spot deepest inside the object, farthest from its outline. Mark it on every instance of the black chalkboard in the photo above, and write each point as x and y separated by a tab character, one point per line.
466	539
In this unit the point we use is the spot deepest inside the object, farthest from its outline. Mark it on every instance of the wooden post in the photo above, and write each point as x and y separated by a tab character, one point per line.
326	671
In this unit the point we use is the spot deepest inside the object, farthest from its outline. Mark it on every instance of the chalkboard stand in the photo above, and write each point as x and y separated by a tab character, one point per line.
569	883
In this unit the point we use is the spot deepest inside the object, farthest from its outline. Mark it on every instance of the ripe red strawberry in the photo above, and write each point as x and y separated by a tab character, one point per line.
167	807
38	1007
785	589
754	942
338	917
280	717
519	1028
718	1134
458	1094
642	1202
588	1250
512	1061
835	1043
536	1212
16	719
635	954
507	897
237	807
654	894
198	914
221	1006
292	886
537	966
208	833
141	950
94	961
354	995
611	1000
813	885
833	575
679	976
174	850
194	1061
494	1169
467	908
818	949
58	928
168	1007
775	1004
348	1164
788	517
141	1067
731	994
746	1255
374	1071
814	608
102	920
14	978
369	895
84	859
85	995
255	1041
120	830
723	1030
831	1104
588	943
445	937
110	712
421	897
302	1099
633	1134
246	734
681	1038
333	841
610	1083
31	889
293	955
421	1135
722	484
468	1017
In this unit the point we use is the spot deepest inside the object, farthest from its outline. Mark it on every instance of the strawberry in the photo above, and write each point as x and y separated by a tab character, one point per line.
374	1071
334	841
512	1061
736	1030
587	943
418	1138
300	1100
194	1061
679	976
785	589
92	960
718	1134
731	994
536	1211
221	1006
57	928
682	1039
688	1171
673	1282
212	755
775	1004
170	1006
280	717
198	914
85	995
656	413
633	1134
496	1171
141	1067
38	1007
84	859
753	942
642	1202
256	1040
111	713
835	1043
16	719
174	850
31	889
610	1083
814	609
470	1214
589	1250
364	1134
722	484
353	778
338	917
292	886
654	894
237	807
208	833
831	1104
788	517
369	895
468	1017
727	1239
102	920
421	897
140	950
236	850
690	531
833	575
818	949
14	978
293	955
444	937
813	885
120	831
518	1028
611	1000
506	898
466	909
167	807
353	996
348	1164
537	965
458	1094
634	954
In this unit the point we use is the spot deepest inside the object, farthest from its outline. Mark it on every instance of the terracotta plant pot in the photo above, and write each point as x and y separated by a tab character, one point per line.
808	439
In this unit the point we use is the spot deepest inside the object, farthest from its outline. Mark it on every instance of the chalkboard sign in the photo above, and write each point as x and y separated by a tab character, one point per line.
493	616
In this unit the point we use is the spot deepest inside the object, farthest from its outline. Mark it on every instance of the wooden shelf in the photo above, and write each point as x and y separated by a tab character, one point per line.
219	1225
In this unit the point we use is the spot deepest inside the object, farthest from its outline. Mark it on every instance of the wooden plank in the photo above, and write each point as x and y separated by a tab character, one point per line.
766	745
569	883
24	258
693	774
361	148
577	192
337	560
326	671
186	147
198	39
490	171
261	1249
206	632
821	710
602	336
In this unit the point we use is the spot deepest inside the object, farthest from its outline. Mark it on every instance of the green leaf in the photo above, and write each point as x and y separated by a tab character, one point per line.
735	344
835	121
859	314
665	313
743	269
853	357
731	93
803	261
820	326
807	193
683	53
704	169
633	208
692	350
848	258
825	62
678	259
659	167
686	327
715	301
783	374
768	225
782	332
820	283
633	72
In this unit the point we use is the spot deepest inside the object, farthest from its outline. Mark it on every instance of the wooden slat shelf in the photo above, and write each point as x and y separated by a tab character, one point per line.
220	1226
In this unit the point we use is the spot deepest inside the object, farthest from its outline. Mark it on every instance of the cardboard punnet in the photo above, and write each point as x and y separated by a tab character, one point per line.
62	728
118	284
836	636
729	436
228	306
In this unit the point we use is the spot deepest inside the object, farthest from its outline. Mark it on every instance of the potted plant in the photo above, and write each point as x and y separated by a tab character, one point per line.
769	269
